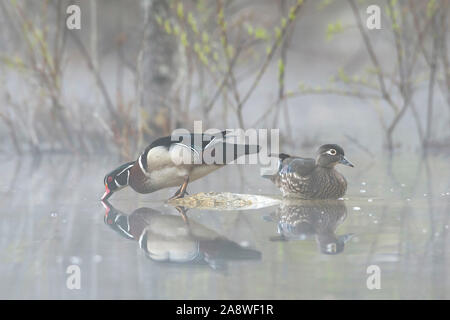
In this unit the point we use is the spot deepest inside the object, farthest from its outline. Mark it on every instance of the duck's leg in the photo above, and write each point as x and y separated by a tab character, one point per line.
182	190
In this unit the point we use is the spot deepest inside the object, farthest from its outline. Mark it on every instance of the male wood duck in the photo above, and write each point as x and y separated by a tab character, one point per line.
300	221
307	178
169	238
170	162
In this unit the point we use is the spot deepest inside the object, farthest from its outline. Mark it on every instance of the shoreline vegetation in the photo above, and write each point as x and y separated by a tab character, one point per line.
184	60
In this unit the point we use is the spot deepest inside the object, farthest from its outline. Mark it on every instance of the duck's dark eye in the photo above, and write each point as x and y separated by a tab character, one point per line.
332	152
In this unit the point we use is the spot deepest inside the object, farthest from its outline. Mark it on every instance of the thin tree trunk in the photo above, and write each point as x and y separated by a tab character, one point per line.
159	69
433	66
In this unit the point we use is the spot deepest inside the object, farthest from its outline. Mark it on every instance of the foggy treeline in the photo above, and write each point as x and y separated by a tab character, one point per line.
138	69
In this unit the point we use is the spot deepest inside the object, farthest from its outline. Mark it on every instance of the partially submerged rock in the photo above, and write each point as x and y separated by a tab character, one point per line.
225	201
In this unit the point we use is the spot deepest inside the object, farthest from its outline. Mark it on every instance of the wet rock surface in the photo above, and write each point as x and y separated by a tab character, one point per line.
225	201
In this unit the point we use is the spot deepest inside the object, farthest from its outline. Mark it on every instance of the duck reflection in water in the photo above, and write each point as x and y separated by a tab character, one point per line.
176	239
319	218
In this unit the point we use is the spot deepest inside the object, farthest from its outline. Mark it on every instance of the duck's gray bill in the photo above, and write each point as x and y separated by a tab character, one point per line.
345	162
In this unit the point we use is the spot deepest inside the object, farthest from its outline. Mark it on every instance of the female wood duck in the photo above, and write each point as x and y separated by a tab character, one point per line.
169	238
170	162
307	178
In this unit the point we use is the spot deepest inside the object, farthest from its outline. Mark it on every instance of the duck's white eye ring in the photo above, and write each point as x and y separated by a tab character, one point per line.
331	152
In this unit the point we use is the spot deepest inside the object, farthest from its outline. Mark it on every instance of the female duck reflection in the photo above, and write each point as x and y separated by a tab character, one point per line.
301	220
173	238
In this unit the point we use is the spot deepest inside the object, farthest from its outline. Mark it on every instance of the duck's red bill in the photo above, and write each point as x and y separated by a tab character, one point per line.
107	194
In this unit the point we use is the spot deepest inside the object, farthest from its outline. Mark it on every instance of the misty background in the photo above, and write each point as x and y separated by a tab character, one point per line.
136	70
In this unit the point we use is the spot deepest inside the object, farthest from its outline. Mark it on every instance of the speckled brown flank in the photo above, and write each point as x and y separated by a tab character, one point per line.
322	183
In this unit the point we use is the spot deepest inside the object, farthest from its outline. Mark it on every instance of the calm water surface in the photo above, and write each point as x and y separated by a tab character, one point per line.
395	216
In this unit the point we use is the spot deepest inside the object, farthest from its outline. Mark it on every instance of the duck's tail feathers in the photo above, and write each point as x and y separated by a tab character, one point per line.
252	148
229	152
281	157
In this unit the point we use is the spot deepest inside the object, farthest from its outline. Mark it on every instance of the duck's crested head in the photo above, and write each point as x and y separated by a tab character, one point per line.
327	147
329	155
117	179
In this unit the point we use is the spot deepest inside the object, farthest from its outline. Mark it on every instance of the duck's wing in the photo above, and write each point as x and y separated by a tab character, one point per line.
195	141
274	175
298	166
166	150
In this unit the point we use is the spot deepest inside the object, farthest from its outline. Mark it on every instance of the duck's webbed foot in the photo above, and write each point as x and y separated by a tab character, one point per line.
176	195
181	192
